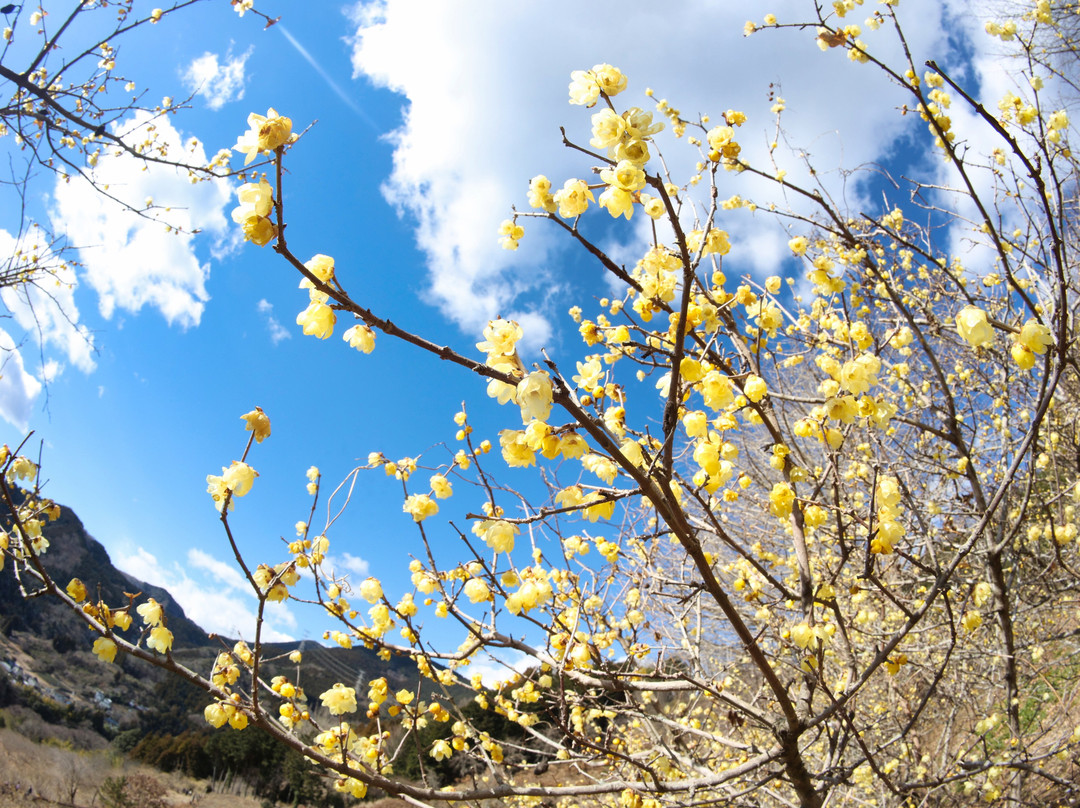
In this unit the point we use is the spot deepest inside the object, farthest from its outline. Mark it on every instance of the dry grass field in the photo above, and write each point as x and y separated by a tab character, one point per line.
50	773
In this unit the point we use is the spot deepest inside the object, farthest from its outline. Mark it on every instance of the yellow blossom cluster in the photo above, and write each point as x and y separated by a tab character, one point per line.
318	318
815	484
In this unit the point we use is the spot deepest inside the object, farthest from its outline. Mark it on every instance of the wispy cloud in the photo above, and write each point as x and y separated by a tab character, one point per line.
278	332
494	672
333	85
347	562
211	592
217	82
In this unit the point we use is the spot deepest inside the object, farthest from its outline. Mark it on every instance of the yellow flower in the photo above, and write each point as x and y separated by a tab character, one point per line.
339	699
716	241
441	750
636	151
888	492
264	574
321	266
719	137
371	590
160	640
584	88
258	422
601	507
499	536
781	498
589	374
1035	337
21	469
258	230
798	245
696	424
315	295
860	374
511	233
573	199
218	714
608	128
500	337
420	507
617	202
515	449
440	487
317	320
238	478
625	176
610	79
540	193
264	135
1023	356
804	636
77	590
256	198
586	85
477	591
716	390
150	612
767	317
653	205
256	202
755	388
360	337
888	534
639	124
972	325
534	396
601	466
572	445
105	649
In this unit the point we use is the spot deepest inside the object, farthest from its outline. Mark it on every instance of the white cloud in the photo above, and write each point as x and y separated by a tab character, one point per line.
133	261
494	671
221	571
478	126
990	72
50	370
18	389
218	83
220	602
44	305
278	332
350	563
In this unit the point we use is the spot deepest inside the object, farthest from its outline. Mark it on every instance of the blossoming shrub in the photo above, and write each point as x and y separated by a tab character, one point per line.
810	537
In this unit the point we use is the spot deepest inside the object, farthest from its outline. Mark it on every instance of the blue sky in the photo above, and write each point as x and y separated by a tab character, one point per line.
427	121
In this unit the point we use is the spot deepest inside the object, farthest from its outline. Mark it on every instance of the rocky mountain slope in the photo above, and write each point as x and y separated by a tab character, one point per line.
45	648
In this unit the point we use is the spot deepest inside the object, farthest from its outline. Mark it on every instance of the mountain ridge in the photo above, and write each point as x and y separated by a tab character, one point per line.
45	646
